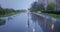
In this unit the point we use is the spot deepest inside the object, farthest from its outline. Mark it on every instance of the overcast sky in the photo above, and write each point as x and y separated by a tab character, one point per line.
16	4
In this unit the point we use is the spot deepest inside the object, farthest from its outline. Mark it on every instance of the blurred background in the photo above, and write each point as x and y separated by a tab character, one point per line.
29	15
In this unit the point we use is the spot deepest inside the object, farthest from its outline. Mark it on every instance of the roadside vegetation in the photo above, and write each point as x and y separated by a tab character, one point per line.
7	12
50	10
4	12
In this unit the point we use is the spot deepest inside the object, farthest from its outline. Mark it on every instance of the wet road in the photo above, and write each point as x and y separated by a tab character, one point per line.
20	23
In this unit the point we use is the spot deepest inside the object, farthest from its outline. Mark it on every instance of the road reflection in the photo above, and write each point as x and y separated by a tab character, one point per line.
2	22
36	21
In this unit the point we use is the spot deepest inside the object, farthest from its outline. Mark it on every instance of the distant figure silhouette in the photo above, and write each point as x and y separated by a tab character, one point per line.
28	19
28	23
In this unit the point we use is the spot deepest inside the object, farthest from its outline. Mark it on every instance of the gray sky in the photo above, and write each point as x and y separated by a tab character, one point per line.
16	4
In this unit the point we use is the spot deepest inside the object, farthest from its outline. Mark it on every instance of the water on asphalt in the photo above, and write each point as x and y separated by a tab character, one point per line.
20	23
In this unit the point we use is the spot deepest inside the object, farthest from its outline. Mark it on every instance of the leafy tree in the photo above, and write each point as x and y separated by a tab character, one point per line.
35	7
51	6
41	6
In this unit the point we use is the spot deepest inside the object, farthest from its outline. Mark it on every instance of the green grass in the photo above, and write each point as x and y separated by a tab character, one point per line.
54	15
50	14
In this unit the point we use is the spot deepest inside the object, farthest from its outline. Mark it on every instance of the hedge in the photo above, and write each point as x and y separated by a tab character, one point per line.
51	12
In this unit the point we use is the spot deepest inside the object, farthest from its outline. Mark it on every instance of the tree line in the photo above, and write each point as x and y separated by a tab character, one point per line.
51	8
